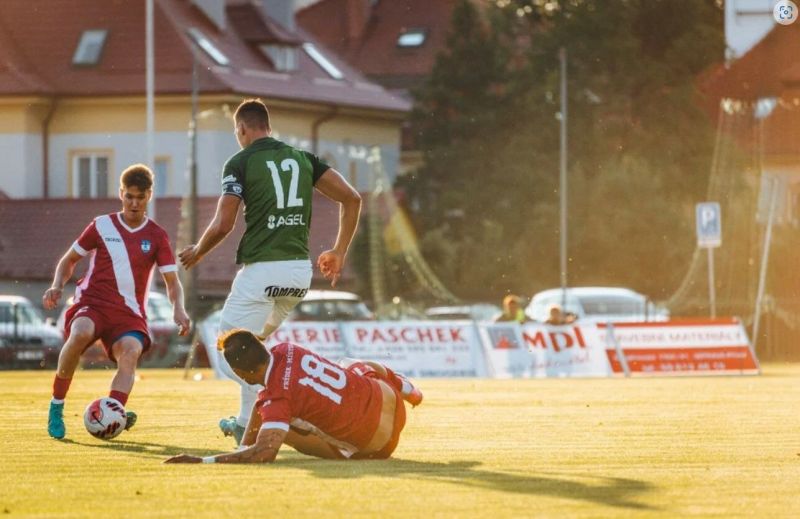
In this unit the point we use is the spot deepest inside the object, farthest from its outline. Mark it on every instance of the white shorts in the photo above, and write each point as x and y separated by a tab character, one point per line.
265	292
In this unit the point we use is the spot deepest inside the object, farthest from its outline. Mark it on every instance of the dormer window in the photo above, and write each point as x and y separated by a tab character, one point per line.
90	47
208	47
283	57
412	38
320	59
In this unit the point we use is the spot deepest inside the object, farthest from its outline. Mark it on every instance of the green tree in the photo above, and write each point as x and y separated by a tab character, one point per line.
640	148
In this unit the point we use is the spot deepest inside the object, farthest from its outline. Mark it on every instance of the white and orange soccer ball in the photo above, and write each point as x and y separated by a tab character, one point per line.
105	418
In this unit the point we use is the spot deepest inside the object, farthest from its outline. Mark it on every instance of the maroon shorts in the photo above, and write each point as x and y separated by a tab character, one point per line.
399	424
109	324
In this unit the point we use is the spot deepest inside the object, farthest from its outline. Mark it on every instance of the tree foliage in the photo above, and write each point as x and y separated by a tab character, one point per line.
486	199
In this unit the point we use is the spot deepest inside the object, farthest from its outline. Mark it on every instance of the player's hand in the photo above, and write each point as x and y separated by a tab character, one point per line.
181	318
51	297
330	264
184	458
189	257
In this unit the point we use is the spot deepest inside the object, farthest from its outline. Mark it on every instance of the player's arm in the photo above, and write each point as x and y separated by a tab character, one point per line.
64	270
175	295
334	186
217	230
264	450
253	427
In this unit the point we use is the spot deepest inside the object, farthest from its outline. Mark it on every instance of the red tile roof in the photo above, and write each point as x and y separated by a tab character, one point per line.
38	39
768	69
371	45
34	234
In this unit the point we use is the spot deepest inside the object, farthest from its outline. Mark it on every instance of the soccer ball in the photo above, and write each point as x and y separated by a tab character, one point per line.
105	418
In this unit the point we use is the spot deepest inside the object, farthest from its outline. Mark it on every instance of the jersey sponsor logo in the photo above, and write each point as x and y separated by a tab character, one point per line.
285	221
112	239
275	291
146	246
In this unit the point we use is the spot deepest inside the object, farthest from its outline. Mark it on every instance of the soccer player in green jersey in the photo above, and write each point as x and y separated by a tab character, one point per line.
275	182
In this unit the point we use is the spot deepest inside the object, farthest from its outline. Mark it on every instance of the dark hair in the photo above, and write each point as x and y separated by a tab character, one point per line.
253	113
242	350
137	175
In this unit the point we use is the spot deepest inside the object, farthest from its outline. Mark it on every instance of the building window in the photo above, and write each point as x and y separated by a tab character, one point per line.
90	175
161	170
282	57
204	43
90	47
411	38
320	59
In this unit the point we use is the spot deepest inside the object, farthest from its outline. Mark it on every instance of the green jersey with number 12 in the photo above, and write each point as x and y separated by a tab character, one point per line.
276	182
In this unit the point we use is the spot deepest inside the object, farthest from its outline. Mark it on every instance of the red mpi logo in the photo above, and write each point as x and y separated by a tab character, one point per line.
563	339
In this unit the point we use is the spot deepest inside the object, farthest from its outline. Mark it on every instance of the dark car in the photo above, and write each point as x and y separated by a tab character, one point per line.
26	339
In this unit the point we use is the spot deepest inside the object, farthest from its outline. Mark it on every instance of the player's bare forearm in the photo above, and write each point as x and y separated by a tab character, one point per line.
253	427
64	271
222	224
349	213
175	295
265	449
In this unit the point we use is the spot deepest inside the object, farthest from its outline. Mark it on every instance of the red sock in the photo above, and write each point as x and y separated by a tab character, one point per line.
119	396
60	387
394	380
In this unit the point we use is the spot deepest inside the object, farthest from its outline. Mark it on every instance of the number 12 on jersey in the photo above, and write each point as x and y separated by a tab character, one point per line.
287	166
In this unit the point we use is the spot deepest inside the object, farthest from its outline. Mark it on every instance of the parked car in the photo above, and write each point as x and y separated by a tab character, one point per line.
601	304
26	339
331	305
475	312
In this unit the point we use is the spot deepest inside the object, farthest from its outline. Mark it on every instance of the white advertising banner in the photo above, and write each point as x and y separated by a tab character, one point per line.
418	349
541	350
324	338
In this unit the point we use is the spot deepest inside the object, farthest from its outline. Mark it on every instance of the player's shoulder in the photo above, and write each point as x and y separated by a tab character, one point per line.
287	349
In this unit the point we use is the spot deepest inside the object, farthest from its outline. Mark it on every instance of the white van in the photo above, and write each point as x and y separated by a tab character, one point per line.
598	304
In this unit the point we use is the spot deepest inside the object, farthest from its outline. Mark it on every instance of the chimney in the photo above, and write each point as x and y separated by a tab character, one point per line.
357	12
282	11
214	11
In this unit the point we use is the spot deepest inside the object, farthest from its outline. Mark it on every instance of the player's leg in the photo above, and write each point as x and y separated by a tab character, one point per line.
126	351
408	391
312	445
244	308
81	335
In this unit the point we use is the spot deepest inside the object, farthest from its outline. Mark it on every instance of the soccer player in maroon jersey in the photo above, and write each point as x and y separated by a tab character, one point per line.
318	407
110	299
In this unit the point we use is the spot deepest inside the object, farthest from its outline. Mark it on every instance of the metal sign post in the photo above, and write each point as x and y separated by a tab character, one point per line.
709	236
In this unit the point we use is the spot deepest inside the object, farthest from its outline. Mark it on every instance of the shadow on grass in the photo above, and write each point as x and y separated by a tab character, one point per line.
617	492
151	450
611	491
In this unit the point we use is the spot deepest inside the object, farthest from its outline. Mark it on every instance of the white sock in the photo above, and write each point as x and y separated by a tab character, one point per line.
56	401
249	397
408	387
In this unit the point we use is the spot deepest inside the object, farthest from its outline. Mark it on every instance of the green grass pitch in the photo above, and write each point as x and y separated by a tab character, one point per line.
658	447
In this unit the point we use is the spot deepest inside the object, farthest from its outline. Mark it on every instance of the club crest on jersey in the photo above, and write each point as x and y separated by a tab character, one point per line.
146	246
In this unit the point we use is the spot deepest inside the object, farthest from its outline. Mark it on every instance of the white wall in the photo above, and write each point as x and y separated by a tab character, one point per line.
214	148
746	23
21	165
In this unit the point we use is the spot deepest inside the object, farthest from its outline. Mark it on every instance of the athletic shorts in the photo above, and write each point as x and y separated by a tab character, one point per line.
399	414
109	325
265	292
399	424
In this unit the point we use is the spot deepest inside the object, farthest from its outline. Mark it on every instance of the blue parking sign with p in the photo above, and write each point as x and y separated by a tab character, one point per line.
709	224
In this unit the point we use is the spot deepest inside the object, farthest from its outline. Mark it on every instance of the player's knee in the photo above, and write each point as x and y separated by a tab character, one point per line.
80	336
128	351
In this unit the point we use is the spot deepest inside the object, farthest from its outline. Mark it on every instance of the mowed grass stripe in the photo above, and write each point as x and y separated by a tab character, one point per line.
660	447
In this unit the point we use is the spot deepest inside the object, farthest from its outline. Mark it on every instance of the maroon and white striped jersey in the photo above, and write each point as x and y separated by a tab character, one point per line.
121	263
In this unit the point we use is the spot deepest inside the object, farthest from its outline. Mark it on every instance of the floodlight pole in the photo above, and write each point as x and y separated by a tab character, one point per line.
762	276
562	56
150	87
